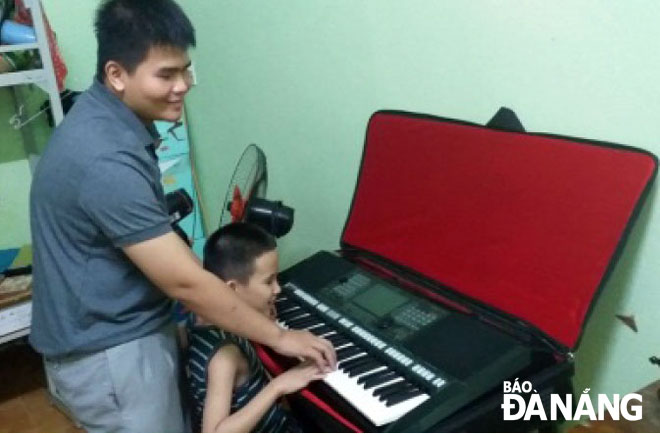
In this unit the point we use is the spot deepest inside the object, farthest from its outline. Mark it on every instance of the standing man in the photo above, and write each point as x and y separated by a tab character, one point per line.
106	262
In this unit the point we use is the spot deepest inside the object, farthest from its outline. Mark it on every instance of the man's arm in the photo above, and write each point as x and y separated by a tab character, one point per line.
172	266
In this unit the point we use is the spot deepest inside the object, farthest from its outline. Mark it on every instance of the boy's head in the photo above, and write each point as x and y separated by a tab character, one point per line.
142	55
245	257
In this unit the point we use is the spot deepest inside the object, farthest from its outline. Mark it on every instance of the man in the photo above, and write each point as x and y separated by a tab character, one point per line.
106	263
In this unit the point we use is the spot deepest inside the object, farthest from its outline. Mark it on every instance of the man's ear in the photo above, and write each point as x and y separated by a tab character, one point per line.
115	75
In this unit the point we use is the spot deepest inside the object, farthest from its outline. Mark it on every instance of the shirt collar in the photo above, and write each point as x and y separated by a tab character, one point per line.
145	134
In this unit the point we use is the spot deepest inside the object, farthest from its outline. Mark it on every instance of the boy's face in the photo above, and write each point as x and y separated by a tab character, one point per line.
262	288
155	89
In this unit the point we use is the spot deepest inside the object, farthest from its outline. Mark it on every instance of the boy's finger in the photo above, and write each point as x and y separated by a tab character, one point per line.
317	357
328	353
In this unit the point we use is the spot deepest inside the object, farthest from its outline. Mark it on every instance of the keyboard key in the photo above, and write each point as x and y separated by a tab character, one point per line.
400	397
372	375
337	340
384	377
398	385
291	315
407	387
366	367
344	353
323	330
348	364
303	322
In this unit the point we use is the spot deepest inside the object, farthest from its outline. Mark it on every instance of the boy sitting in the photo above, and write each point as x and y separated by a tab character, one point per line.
230	389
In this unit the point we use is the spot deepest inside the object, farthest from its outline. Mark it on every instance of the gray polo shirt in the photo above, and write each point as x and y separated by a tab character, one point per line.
95	190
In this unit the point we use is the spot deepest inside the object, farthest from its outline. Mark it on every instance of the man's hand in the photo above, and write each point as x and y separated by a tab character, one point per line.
301	343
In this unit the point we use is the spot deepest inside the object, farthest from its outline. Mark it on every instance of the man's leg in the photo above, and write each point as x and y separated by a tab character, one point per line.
132	387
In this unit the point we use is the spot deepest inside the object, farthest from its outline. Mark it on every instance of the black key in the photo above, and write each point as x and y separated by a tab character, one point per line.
318	331
376	374
400	397
303	322
283	302
337	340
404	388
380	379
319	323
314	323
350	369
348	364
296	317
285	309
366	367
346	352
398	385
286	306
291	314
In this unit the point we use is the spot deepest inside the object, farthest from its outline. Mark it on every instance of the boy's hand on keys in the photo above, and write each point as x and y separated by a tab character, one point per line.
301	343
297	378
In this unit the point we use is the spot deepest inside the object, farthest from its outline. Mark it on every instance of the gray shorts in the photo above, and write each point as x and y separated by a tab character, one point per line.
132	387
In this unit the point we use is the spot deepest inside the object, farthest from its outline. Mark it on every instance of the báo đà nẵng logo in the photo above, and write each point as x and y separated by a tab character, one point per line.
515	407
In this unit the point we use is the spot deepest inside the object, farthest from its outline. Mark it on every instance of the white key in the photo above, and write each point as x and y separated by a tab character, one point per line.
365	402
363	399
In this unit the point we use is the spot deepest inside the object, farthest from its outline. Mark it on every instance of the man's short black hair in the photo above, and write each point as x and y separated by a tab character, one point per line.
230	252
127	29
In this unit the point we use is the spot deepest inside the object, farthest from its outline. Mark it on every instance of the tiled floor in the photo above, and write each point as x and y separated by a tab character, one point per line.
24	403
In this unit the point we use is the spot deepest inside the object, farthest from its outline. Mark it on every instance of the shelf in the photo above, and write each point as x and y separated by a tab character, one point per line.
15	321
36	76
14	335
18	47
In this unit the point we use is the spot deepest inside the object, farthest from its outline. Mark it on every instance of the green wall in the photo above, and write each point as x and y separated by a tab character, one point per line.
301	78
16	146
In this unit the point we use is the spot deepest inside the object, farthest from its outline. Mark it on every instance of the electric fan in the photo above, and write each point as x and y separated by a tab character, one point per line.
246	201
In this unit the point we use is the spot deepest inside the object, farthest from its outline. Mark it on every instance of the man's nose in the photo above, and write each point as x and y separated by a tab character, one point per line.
182	85
277	289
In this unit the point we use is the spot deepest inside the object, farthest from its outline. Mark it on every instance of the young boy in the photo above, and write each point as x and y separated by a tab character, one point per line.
229	387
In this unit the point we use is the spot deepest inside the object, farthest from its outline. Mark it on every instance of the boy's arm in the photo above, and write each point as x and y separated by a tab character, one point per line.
222	374
172	266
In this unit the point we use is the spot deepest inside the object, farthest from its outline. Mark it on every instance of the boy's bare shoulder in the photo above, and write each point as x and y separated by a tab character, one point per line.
228	354
228	359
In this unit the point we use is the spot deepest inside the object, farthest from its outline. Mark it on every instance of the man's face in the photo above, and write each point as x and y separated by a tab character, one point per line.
155	90
262	288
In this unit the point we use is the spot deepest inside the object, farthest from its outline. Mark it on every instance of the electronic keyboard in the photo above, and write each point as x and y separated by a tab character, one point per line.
396	350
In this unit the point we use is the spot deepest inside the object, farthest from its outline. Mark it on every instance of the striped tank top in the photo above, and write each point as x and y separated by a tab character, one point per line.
204	342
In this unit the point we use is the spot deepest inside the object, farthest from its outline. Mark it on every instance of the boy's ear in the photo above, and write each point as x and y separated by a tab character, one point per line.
233	284
114	74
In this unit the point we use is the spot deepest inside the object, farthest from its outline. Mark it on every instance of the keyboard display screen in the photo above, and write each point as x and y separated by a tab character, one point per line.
385	309
380	300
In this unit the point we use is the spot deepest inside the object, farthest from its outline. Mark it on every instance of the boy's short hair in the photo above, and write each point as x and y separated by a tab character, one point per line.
230	252
127	29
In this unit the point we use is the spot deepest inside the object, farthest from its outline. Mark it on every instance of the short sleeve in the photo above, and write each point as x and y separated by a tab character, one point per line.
119	198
